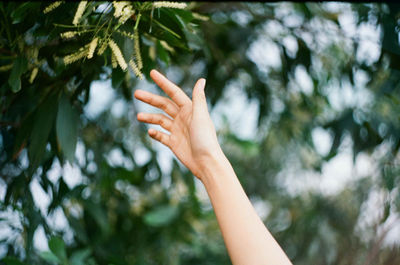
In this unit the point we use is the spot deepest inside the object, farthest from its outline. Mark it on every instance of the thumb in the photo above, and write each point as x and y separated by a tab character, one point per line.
199	97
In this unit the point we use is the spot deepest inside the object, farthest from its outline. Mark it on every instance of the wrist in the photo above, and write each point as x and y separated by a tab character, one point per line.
213	166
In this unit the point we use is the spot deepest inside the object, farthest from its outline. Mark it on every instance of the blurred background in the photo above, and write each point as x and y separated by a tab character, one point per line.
305	98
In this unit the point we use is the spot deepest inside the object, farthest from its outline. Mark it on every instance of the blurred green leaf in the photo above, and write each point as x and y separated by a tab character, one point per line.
161	215
79	257
67	128
49	257
12	261
57	247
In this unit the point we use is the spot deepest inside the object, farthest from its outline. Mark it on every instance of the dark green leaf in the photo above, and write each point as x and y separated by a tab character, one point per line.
117	77
12	261
19	67
43	123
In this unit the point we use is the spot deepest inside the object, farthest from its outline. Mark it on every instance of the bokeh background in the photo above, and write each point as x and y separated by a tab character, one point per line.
305	98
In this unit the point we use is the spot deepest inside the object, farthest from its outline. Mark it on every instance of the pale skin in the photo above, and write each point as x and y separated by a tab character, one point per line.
192	138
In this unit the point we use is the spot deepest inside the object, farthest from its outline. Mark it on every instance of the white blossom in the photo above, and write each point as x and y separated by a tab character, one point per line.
118	6
137	49
169	4
79	12
118	54
52	6
92	47
102	48
114	63
82	52
127	12
69	34
135	69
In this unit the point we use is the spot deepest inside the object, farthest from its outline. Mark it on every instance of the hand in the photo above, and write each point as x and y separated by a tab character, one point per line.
192	135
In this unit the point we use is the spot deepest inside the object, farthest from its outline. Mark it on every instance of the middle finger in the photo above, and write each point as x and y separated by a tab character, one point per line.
157	101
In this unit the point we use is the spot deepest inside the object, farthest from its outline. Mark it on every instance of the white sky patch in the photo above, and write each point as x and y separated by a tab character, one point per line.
40	197
141	155
337	174
265	54
72	175
39	239
304	80
118	108
291	45
100	98
242	114
322	140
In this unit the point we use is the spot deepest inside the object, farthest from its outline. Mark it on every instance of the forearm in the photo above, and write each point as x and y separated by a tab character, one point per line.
247	239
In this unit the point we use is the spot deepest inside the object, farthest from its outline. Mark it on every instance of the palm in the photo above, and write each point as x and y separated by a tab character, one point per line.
191	130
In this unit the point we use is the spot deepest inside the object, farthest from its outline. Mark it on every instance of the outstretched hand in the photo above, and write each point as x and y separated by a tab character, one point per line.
192	136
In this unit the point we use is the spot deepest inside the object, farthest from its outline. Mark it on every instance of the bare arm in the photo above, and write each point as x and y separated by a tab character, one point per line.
193	140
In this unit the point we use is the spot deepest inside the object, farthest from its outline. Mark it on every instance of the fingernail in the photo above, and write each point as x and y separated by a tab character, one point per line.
203	83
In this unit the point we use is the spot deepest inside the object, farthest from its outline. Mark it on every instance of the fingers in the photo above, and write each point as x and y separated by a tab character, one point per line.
172	90
199	98
155	118
159	136
160	102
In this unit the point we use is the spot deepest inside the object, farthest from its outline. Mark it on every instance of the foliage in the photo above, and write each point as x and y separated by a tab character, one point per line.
136	213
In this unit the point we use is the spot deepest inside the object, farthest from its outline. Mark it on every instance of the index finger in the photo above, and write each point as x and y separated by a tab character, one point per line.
172	90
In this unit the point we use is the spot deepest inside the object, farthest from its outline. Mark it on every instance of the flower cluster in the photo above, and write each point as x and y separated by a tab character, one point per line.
52	6
114	63
79	12
135	69
169	4
82	52
138	56
103	47
69	34
118	54
118	6
123	10
92	47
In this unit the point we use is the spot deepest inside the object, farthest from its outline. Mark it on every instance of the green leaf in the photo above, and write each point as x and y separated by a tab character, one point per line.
117	77
162	53
79	257
99	215
43	123
12	261
67	128
19	14
161	216
49	257
57	246
19	67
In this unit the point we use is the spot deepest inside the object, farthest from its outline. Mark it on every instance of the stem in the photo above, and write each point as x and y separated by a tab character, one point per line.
68	26
137	20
